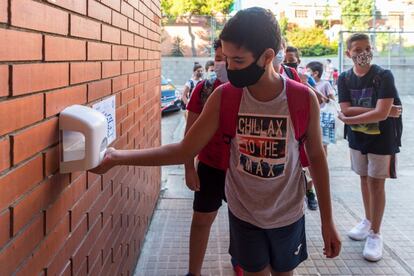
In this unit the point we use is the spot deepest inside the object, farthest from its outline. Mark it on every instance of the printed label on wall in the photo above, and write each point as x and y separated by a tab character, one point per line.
107	108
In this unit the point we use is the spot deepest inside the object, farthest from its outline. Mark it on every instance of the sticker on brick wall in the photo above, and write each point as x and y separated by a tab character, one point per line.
107	107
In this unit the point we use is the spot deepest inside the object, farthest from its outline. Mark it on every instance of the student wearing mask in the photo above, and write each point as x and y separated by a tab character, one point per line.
192	83
264	188
207	181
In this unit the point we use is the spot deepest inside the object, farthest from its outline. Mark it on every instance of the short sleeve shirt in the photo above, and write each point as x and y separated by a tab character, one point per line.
380	137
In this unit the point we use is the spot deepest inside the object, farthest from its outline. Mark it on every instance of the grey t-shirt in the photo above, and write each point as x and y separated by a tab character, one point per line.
264	183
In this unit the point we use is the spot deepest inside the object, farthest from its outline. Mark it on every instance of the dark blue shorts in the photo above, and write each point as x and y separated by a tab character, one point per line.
211	194
255	248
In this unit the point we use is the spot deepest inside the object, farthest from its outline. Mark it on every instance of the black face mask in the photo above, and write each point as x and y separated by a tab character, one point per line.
246	76
293	65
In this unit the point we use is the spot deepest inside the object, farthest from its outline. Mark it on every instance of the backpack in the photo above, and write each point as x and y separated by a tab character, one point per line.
191	88
288	72
376	83
299	107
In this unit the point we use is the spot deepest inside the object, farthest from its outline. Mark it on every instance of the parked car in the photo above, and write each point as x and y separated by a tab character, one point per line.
170	98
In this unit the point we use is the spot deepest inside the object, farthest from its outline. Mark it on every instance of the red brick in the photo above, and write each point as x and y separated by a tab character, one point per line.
86	28
139	65
133	26
115	4
57	100
119	83
84	71
5	227
65	201
21	247
79	210
18	113
119	20
139	17
133	79
119	52
127	67
111	68
121	113
127	38
4	80
19	181
99	51
51	160
127	95
133	53
59	261
4	154
30	141
127	124
99	89
38	199
61	49
17	45
37	16
139	41
127	9
78	6
111	34
3	11
99	11
67	269
29	78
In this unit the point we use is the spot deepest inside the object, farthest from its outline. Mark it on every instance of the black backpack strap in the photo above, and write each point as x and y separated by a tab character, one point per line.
288	72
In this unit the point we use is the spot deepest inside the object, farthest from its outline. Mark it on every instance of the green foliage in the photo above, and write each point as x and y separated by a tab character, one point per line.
175	8
283	23
356	13
177	49
311	41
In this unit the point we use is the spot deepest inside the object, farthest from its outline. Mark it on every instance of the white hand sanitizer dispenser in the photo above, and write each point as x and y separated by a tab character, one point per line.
83	138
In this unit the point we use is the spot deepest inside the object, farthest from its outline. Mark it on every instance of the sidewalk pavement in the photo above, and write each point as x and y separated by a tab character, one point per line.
165	250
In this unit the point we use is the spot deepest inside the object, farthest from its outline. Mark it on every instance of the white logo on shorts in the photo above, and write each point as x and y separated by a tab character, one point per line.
297	251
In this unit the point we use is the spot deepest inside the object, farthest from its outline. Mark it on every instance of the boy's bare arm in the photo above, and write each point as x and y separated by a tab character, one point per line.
319	172
318	164
351	111
191	177
197	137
379	113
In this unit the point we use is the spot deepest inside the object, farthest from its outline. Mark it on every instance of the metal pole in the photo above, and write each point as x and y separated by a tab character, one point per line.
340	52
374	23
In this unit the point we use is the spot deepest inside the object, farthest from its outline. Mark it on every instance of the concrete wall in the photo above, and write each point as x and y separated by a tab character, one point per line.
54	54
179	70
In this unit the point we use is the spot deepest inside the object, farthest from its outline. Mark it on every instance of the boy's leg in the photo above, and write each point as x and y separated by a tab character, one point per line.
359	164
366	197
206	203
264	272
199	234
377	202
288	273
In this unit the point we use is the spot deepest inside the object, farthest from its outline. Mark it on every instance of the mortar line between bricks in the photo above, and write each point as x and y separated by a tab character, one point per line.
389	250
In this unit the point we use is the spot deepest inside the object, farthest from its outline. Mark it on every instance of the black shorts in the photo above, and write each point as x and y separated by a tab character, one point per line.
211	194
255	248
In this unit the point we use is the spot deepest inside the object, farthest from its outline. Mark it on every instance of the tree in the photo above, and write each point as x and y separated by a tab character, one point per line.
311	41
188	8
356	13
177	49
283	23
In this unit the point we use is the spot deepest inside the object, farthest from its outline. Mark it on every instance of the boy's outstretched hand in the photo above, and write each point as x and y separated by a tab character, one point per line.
107	162
331	239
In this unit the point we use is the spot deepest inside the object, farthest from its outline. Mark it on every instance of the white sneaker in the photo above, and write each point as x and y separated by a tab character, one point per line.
373	247
360	231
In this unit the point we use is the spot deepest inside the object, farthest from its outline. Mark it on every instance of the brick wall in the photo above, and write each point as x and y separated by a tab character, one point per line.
53	54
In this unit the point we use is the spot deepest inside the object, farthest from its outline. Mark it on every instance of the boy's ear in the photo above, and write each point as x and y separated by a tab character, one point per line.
347	53
269	55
